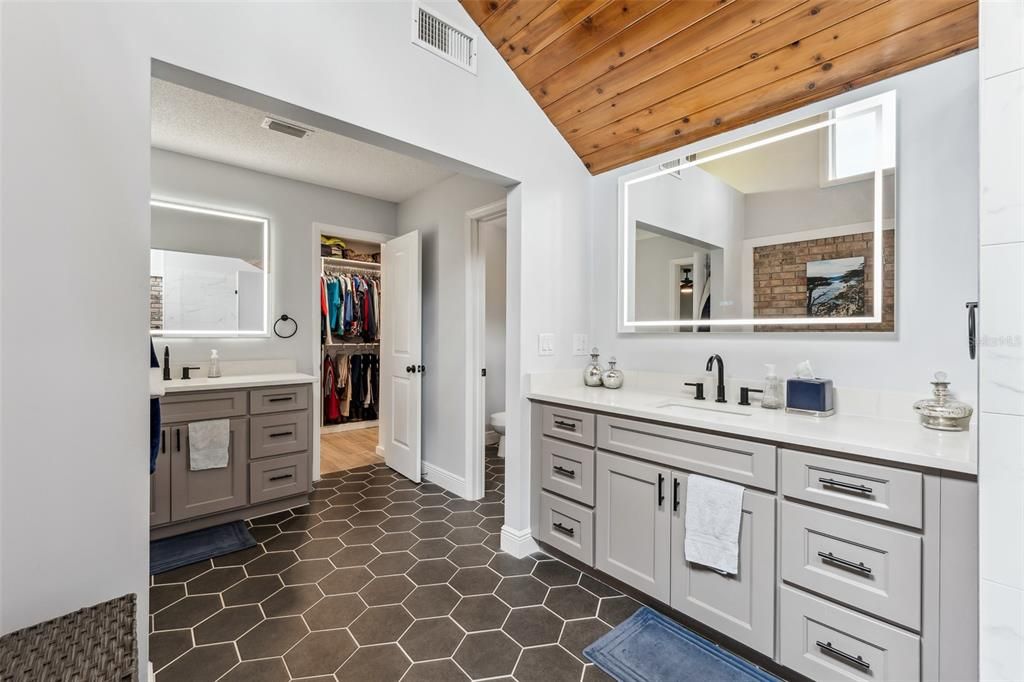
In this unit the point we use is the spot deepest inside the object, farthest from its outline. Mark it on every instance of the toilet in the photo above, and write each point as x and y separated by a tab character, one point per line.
498	424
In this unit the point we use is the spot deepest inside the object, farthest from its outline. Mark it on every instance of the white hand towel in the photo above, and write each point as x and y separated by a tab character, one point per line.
208	444
156	383
713	512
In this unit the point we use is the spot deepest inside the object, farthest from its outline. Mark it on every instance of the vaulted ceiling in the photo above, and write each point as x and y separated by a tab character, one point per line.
623	80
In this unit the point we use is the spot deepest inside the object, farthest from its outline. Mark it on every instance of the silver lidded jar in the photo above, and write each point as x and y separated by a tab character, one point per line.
592	372
943	412
612	377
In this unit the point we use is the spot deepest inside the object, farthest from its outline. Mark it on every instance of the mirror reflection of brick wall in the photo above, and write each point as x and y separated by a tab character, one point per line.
780	278
156	302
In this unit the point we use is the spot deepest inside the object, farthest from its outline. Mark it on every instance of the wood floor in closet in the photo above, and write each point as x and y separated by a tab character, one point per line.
348	450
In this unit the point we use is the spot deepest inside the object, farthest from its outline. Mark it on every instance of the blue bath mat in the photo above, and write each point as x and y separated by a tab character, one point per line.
181	550
648	647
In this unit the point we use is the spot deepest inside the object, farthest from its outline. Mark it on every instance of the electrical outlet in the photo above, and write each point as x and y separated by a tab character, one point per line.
579	344
546	344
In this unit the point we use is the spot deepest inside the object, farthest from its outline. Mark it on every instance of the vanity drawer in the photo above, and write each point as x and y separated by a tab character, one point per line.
278	399
273	478
176	408
827	642
859	563
731	459
567	526
880	492
568	470
568	424
278	434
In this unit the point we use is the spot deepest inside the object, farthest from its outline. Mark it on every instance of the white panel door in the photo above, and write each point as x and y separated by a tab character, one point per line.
401	356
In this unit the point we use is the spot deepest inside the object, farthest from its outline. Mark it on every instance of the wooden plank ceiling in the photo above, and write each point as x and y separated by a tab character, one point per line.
624	80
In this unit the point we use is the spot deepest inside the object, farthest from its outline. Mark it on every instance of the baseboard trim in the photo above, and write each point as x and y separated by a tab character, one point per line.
444	478
380	451
518	543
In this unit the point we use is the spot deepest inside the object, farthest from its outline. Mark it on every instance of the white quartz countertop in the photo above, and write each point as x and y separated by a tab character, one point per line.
890	440
202	383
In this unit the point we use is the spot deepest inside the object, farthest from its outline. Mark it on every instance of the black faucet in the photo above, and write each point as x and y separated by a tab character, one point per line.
185	372
167	363
721	376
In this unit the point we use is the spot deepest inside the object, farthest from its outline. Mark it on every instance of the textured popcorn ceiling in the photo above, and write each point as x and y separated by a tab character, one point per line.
209	127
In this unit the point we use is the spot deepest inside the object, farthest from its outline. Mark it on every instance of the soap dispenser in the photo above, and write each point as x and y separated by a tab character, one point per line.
772	397
592	372
214	365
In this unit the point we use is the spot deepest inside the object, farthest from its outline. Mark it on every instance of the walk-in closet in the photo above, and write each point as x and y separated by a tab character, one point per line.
350	328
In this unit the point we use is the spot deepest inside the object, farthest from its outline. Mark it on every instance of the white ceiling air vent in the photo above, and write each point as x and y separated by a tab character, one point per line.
433	32
284	127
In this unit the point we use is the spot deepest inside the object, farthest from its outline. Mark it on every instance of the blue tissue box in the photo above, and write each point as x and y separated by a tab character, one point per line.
809	396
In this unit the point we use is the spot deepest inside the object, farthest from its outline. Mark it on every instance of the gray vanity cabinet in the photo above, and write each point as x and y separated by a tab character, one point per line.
741	606
160	483
207	491
633	523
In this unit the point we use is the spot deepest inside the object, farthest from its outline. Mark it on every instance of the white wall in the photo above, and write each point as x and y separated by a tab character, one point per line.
75	207
439	213
1001	421
292	207
492	246
937	255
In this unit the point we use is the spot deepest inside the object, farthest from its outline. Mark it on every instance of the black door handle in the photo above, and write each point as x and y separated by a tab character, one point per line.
661	489
568	473
845	563
972	329
421	369
845	486
563	530
675	495
177	439
163	442
411	369
842	655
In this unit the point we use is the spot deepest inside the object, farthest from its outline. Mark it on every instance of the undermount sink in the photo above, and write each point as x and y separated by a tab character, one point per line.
712	407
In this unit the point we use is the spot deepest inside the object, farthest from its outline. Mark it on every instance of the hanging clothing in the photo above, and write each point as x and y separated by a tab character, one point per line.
332	411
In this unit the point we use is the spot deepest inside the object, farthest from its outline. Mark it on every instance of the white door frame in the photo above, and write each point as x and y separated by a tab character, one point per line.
475	335
319	230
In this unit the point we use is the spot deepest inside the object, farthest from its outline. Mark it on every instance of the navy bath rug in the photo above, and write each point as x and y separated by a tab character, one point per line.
648	647
199	545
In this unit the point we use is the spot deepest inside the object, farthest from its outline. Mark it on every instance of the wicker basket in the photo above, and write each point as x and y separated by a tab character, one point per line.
94	644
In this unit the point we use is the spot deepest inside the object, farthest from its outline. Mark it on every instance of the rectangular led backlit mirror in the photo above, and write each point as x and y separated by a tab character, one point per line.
788	230
208	272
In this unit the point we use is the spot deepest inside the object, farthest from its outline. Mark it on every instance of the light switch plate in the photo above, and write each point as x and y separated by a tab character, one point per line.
545	344
579	344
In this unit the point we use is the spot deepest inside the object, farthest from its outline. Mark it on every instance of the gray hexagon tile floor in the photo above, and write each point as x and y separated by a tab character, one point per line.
380	579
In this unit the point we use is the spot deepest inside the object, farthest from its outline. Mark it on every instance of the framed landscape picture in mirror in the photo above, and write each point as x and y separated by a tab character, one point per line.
792	229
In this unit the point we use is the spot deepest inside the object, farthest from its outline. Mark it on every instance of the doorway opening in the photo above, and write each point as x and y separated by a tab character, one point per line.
486	302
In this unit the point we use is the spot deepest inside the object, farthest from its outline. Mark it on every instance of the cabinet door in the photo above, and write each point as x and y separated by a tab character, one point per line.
632	522
198	493
741	606
160	483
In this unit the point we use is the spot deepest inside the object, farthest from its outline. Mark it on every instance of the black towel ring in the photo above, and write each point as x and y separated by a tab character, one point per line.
285	318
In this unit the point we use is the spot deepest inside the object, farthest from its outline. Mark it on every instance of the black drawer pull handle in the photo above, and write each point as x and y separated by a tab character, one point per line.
279	434
568	473
661	489
675	495
281	477
281	399
863	489
845	563
571	426
163	444
842	655
563	530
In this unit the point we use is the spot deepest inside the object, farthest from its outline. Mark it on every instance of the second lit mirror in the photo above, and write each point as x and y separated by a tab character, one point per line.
788	230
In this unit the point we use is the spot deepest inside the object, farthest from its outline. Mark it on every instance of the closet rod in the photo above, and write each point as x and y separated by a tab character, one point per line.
336	269
348	262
